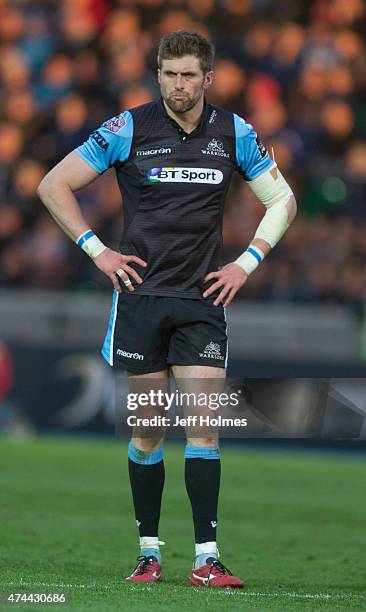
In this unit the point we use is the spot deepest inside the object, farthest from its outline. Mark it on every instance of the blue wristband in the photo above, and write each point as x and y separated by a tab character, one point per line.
255	254
84	237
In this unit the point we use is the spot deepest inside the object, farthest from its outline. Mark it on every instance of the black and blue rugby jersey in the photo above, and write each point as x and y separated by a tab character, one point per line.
173	186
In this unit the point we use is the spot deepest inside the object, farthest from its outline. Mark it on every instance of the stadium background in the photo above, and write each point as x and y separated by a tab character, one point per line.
295	70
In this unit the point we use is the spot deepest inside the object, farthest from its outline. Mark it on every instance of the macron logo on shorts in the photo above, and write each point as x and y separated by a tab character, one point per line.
122	353
209	176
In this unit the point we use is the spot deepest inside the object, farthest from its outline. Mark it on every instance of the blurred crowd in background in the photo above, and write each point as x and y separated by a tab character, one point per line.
295	70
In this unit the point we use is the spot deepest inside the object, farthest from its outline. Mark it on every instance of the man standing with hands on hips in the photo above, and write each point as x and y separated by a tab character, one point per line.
173	160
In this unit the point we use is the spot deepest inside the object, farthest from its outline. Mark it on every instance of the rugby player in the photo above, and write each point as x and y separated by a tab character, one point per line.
173	160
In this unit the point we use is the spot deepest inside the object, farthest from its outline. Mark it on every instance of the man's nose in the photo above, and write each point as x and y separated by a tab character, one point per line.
179	82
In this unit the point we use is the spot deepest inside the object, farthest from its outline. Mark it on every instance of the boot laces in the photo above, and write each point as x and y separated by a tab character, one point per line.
220	567
143	564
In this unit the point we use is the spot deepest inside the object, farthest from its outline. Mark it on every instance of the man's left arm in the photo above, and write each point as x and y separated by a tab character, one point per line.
277	197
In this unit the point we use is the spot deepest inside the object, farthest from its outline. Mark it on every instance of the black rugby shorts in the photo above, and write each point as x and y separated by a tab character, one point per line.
147	333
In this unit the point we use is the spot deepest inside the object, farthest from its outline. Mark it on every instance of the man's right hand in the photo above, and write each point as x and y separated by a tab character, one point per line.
116	265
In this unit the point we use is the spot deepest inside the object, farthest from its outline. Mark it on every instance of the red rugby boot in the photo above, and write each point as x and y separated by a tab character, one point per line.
147	570
214	574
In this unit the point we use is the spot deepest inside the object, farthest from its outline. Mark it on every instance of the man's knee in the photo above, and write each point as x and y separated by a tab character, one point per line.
203	442
147	444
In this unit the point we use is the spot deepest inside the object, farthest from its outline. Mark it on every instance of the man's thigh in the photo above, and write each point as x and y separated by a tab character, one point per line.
149	388
138	333
198	372
199	337
200	388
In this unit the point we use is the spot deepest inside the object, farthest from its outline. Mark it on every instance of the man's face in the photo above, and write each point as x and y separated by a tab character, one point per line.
182	82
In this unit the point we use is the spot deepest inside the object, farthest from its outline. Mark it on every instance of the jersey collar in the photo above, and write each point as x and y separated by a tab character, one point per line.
196	130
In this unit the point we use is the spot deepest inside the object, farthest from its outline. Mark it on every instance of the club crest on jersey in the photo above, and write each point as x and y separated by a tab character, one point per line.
115	124
210	176
215	147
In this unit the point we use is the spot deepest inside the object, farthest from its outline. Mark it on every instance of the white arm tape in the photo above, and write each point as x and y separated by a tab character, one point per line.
250	259
274	192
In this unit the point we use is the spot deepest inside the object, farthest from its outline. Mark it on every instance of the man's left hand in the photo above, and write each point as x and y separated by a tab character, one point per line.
231	277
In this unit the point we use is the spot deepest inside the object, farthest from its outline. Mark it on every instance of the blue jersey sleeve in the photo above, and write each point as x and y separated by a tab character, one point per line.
108	144
251	155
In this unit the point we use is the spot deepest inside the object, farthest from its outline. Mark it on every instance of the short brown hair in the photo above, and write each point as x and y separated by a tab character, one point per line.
181	43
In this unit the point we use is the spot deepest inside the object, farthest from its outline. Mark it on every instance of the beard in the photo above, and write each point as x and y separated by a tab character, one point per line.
181	106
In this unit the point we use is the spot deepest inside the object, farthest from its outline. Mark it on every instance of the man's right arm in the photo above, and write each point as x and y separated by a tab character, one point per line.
109	144
56	191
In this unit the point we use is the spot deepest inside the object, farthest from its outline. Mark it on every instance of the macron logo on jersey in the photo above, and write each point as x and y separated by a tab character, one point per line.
185	175
162	151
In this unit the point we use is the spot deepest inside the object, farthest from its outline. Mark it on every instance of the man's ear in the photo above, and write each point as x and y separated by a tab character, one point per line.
208	79
159	75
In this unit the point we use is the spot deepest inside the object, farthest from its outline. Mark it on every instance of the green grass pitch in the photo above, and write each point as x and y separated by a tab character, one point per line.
291	524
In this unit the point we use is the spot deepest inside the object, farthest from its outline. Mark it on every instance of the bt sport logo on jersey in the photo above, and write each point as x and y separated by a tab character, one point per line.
209	176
